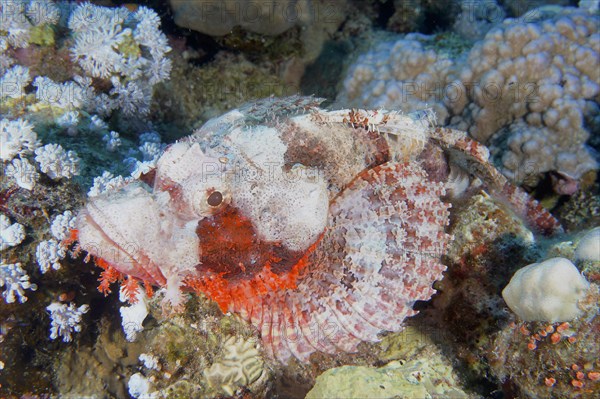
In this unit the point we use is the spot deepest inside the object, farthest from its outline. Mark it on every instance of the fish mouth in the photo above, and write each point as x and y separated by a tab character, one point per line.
122	228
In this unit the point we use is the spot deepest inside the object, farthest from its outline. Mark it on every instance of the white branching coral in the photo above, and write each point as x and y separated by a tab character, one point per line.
19	17
139	387
24	173
10	234
105	35
15	281
106	182
149	361
148	35
12	84
16	137
129	49
98	33
68	119
48	254
97	124
42	12
62	225
56	162
112	140
150	149
15	23
75	94
131	97
65	320
123	47
5	60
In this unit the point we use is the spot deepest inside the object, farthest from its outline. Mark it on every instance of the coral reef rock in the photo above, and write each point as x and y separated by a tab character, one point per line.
219	18
526	89
413	379
588	247
546	291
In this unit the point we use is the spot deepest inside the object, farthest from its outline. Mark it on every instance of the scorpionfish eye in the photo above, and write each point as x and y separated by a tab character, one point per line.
215	198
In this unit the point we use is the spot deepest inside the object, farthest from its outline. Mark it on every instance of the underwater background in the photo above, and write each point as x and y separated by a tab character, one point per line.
97	99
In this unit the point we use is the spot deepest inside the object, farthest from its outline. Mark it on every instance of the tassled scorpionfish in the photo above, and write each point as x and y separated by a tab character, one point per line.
321	228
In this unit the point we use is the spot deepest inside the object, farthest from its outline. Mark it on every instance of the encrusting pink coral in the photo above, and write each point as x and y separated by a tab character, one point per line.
321	228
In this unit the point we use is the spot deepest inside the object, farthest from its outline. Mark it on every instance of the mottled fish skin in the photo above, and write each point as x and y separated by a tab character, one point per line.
367	243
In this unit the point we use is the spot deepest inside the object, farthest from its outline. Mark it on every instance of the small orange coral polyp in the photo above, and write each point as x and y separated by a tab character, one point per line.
549	381
594	376
236	265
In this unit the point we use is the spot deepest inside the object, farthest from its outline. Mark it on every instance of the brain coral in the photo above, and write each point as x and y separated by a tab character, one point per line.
528	89
239	366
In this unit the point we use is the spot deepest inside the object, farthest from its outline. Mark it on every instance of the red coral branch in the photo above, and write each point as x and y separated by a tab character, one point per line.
108	276
130	289
149	289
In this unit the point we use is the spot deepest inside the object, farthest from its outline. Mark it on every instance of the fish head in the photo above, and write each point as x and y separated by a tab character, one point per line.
206	216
